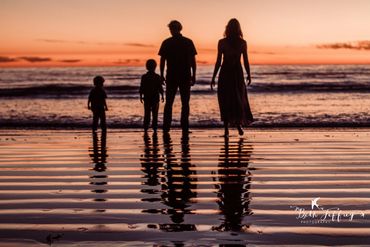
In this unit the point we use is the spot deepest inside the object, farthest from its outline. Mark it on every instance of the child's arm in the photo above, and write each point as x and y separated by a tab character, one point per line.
89	102
105	101
141	89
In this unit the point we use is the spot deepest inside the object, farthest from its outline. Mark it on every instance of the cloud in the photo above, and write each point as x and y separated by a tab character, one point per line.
59	41
356	45
70	60
7	59
203	62
128	61
262	52
36	59
138	45
80	42
249	51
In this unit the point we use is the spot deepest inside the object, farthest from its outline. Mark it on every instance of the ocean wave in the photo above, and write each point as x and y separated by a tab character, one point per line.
202	87
342	87
51	91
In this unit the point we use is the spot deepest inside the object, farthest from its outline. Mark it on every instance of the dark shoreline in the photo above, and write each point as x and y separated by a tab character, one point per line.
177	128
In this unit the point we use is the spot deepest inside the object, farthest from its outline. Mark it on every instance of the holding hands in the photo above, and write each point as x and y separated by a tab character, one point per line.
192	82
213	83
249	80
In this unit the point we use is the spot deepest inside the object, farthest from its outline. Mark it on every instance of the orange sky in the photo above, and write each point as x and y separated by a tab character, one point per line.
127	32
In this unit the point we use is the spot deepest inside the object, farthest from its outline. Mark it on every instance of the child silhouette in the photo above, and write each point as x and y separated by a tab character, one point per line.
150	89
97	103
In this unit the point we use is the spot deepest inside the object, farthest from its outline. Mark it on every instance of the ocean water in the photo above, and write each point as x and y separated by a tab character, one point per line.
283	95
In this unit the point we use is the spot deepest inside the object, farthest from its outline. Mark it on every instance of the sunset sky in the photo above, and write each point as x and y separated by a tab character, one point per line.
127	32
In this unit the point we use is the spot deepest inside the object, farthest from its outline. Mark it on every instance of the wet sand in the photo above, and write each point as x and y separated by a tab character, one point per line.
74	188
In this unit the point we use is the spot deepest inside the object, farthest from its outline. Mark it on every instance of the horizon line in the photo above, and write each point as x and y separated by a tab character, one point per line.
199	65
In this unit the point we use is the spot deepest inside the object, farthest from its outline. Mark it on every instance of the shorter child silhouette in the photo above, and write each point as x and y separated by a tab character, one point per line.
151	88
97	103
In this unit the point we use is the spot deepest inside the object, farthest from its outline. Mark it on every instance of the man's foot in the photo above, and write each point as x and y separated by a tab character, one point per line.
226	133
186	131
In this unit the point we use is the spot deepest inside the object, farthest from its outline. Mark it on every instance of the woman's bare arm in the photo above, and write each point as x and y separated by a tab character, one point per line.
246	64
217	65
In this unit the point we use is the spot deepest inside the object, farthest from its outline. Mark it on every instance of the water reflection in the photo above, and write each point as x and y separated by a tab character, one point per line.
233	184
151	163
179	184
98	154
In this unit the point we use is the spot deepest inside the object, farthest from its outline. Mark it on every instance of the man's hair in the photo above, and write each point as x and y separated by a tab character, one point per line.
175	26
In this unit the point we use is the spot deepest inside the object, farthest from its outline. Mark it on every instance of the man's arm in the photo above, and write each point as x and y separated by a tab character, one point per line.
89	102
194	69
161	67
160	82
193	62
105	105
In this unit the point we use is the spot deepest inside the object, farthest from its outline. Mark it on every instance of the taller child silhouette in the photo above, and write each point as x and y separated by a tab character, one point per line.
178	53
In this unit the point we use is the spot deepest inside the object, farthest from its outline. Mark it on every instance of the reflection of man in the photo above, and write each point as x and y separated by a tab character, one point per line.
179	54
180	185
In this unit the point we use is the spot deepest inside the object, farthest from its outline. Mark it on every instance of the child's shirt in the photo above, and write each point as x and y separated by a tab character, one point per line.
151	86
97	98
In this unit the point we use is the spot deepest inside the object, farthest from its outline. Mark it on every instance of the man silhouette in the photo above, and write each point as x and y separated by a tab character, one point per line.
178	53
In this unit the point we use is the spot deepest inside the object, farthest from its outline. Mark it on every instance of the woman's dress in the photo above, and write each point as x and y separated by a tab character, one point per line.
232	92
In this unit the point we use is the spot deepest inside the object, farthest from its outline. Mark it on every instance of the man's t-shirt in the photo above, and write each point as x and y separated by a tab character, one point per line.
179	52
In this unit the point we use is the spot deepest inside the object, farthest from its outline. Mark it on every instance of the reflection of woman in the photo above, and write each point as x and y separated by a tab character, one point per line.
234	185
232	93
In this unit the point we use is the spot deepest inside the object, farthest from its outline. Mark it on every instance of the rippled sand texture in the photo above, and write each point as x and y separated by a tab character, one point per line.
72	187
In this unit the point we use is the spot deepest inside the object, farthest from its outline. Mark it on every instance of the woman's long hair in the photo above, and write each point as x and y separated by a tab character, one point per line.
233	31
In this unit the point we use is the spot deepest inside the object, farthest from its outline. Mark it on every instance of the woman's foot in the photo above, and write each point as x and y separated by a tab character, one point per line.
240	130
226	127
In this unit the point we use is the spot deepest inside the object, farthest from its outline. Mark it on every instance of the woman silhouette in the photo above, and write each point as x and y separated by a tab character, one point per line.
232	92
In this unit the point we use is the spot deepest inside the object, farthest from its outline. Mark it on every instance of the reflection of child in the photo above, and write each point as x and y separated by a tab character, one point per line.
97	103
151	88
